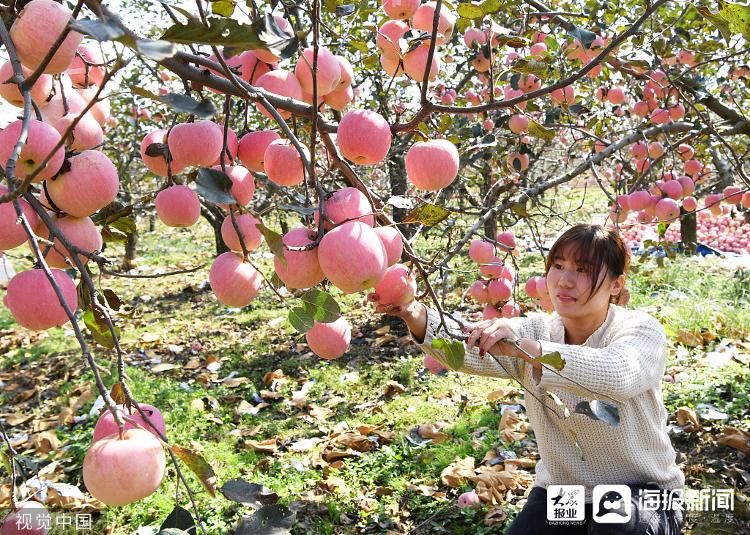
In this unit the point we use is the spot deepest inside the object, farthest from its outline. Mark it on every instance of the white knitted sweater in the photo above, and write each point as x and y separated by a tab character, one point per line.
624	359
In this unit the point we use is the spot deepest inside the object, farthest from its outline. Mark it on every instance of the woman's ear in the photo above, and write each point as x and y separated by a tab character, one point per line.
617	285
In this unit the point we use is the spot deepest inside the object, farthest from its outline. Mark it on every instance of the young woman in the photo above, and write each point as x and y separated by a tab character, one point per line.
612	354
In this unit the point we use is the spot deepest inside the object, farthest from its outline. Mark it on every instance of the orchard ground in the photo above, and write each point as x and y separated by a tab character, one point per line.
241	387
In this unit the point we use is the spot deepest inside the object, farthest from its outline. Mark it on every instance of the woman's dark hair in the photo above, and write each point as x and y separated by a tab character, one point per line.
595	247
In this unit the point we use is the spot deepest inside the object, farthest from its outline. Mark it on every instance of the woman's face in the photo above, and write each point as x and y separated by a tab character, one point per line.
569	285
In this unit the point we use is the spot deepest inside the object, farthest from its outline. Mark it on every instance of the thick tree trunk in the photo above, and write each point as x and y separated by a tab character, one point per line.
128	261
689	231
215	218
397	182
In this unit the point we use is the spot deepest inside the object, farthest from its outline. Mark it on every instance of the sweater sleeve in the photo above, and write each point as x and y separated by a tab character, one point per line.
630	363
473	362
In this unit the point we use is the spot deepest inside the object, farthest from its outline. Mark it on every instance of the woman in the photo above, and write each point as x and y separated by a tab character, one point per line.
611	354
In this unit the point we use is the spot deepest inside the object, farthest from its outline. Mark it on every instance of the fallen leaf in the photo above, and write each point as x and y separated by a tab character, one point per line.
305	444
149	339
267	394
192	364
319	413
332	455
332	484
502	393
268	445
495	516
688	419
392	388
689	338
432	432
234	382
456	474
45	442
276	375
735	438
17	418
381	340
299	399
163	367
66	416
424	490
356	441
512	426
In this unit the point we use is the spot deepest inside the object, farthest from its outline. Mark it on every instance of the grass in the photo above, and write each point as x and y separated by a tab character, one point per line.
177	321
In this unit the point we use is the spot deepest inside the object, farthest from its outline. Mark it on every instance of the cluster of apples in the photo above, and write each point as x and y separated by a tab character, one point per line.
397	56
495	289
77	179
661	202
260	68
724	232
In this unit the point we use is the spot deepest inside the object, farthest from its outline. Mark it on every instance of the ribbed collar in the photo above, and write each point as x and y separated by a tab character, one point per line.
557	328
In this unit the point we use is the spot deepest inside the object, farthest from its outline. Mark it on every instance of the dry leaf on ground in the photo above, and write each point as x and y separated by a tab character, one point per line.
735	438
688	419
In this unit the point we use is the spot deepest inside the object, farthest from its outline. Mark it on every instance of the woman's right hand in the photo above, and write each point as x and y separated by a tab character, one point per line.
413	313
399	311
486	333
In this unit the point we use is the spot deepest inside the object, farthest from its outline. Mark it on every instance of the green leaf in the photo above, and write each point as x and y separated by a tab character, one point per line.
100	29
199	466
301	319
520	209
111	235
203	109
98	328
124	224
220	32
492	6
541	132
599	410
584	36
179	520
225	8
154	49
513	41
427	214
214	186
470	11
453	352
553	359
529	66
273	39
717	20
738	17
731	19
274	241
321	306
